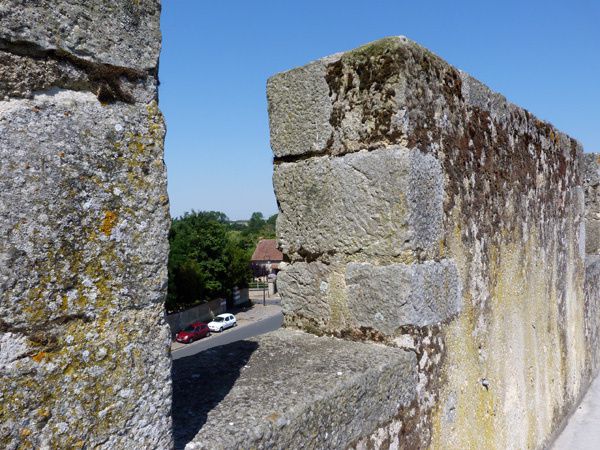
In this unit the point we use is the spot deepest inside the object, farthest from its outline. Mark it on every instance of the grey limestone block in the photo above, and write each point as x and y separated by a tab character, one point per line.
299	109
591	182
383	299
84	220
123	33
303	287
376	255
83	207
369	97
386	298
289	389
388	92
384	202
592	314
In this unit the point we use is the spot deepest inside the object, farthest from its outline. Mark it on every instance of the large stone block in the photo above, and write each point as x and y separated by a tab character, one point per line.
385	202
289	389
591	178
84	185
380	299
369	97
592	314
124	33
83	273
84	348
300	109
386	298
303	287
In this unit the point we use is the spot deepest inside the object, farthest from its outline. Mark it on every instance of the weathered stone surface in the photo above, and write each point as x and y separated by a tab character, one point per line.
516	358
388	92
123	33
591	179
337	298
103	382
289	389
84	349
23	76
591	174
592	315
386	298
299	109
306	286
386	202
84	189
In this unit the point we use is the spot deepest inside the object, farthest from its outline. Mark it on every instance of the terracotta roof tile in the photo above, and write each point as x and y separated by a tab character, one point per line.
267	250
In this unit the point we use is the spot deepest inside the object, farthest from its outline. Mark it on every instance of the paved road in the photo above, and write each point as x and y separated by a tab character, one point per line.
230	335
583	430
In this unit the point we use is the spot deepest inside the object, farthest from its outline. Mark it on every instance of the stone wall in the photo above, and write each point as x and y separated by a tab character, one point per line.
451	234
591	182
84	349
423	211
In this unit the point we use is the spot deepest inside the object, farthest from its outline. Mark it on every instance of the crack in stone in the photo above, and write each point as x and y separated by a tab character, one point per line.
104	80
34	330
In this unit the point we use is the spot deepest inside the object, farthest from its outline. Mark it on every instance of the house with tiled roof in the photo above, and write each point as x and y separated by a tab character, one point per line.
266	258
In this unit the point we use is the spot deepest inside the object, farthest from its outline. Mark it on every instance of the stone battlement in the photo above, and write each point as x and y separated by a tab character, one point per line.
441	247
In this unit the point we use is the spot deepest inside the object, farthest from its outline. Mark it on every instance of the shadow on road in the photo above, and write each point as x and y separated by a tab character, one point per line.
201	382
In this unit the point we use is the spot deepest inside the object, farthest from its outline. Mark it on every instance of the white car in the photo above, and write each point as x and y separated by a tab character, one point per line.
222	322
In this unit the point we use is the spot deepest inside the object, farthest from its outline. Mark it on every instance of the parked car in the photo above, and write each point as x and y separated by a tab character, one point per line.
222	322
192	333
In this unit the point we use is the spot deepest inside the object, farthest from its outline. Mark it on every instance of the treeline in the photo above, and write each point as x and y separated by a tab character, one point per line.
211	254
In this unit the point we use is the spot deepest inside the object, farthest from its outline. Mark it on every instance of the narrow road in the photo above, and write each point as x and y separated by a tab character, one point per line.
583	430
231	335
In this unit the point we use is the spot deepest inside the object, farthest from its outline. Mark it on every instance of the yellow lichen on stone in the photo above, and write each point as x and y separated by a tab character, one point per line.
43	412
109	222
337	300
515	344
39	357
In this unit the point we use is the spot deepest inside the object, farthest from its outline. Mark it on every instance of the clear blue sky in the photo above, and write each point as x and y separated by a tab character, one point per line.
217	56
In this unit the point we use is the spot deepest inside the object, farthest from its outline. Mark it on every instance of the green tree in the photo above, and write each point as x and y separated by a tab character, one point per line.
210	255
198	263
256	222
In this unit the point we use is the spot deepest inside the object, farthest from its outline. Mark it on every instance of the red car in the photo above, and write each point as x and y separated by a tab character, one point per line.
192	333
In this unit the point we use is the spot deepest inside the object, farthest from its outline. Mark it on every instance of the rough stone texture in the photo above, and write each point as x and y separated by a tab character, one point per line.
386	298
289	389
503	367
592	315
84	349
332	205
21	76
591	174
380	299
300	109
124	33
306	285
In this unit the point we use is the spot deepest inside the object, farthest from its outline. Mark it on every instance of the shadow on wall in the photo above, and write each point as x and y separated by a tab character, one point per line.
201	382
